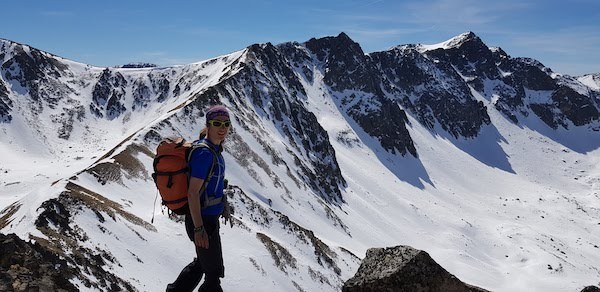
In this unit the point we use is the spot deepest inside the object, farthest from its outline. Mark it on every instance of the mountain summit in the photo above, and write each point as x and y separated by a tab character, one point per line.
485	161
468	39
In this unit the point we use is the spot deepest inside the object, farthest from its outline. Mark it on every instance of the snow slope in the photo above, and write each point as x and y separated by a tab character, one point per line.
591	80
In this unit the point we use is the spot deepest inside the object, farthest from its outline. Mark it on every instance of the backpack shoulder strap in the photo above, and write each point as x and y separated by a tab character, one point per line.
203	145
204	195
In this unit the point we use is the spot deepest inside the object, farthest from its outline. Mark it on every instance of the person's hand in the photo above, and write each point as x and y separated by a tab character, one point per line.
201	239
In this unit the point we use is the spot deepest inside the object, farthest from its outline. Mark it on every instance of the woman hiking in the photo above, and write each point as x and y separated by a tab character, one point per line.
206	203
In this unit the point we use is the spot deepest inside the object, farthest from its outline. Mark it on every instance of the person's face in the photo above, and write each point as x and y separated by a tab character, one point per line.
218	128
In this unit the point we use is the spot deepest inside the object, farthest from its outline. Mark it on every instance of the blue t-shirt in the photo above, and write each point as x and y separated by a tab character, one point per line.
200	163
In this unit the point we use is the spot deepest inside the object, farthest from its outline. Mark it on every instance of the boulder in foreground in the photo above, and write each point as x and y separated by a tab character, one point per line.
403	268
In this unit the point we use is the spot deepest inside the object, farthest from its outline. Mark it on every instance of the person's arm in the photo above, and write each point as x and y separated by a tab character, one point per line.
200	237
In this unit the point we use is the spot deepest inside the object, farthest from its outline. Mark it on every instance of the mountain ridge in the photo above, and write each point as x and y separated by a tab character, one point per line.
319	153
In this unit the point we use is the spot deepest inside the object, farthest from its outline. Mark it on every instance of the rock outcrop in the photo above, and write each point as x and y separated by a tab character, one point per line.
28	266
5	104
403	268
591	289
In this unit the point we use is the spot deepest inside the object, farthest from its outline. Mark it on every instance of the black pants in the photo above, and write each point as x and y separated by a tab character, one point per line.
208	262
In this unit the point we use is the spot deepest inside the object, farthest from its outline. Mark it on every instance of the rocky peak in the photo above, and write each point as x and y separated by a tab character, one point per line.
401	65
346	68
513	79
270	59
34	64
467	38
37	72
470	55
591	80
534	63
270	83
462	42
499	54
403	268
347	65
333	45
431	90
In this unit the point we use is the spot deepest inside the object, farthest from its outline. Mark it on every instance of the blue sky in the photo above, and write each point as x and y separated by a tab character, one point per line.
564	35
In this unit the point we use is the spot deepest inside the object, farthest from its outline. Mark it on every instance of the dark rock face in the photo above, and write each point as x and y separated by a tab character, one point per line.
139	65
141	95
161	87
26	266
268	81
403	268
48	82
432	91
299	125
522	74
591	289
67	118
55	213
382	118
346	63
515	81
530	74
107	95
566	104
546	114
5	104
33	65
578	108
153	87
471	57
346	67
38	73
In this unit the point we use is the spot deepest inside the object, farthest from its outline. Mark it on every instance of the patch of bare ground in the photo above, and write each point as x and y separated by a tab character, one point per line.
7	213
64	237
282	257
97	203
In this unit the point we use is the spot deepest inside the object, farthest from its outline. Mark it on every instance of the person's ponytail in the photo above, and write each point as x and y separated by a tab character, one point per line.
203	133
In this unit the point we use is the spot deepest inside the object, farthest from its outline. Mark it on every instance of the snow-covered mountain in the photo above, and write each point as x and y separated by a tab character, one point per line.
489	163
591	80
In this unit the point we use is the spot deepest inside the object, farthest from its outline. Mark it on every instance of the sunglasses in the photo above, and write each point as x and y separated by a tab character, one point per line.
219	124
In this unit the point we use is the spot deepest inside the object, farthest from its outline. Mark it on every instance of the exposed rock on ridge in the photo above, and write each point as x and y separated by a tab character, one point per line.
5	104
403	268
432	91
107	95
356	82
268	82
26	266
517	81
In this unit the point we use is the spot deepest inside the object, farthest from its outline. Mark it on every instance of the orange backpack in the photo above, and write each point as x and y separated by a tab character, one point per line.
171	172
